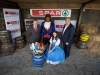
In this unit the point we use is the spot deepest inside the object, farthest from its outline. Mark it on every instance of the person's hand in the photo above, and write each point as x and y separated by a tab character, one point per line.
49	51
67	43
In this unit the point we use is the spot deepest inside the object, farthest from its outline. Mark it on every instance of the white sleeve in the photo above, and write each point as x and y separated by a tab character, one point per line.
50	40
58	42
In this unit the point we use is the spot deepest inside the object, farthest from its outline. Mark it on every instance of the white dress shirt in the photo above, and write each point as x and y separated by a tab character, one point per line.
47	25
65	28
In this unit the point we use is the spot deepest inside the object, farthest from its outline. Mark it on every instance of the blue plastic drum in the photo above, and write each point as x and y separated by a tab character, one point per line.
38	60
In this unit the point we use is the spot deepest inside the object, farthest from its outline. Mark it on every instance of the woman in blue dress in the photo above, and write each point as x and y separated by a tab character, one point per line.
54	54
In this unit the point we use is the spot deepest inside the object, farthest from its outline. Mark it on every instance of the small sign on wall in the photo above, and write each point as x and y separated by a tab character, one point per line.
12	21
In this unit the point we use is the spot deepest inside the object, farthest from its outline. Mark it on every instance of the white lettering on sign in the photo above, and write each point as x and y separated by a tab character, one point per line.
52	13
46	12
40	12
58	12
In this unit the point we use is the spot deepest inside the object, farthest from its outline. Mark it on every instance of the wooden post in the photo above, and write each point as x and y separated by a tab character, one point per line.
80	15
22	25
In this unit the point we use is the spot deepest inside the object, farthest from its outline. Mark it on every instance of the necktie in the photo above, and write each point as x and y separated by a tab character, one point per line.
36	29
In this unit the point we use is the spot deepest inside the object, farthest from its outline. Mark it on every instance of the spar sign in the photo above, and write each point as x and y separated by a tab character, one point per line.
52	12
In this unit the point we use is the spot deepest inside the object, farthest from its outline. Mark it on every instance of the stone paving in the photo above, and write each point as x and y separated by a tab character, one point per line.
80	62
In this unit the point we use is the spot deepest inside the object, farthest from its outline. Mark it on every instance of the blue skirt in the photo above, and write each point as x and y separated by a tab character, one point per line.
57	55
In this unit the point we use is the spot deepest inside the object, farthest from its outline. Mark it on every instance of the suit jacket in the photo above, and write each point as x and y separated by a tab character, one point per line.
68	34
33	35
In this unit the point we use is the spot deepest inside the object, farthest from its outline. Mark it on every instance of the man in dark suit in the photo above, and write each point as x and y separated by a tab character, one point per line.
34	32
67	36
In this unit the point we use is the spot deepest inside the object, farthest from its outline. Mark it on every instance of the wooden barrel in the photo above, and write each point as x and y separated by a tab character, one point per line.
19	38
27	37
28	26
4	32
20	43
81	45
5	36
84	37
6	42
0	47
38	60
8	49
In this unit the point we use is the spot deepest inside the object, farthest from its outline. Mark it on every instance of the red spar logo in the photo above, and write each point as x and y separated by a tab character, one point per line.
12	22
15	30
10	12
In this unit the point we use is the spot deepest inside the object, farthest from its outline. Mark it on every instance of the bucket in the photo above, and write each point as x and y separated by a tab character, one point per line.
84	37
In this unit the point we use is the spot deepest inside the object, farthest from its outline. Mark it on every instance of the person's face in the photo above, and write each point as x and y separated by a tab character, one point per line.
47	19
35	23
67	21
54	34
